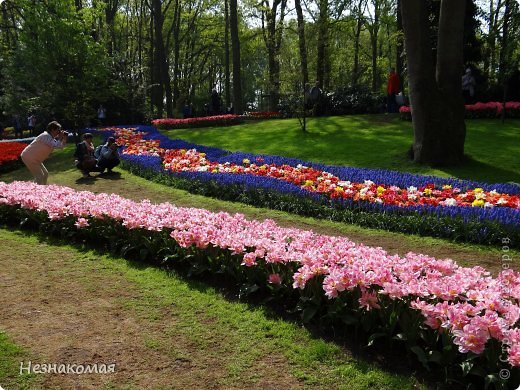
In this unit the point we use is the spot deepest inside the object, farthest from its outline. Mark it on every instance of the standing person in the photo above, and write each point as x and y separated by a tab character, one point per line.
307	102
85	160
40	148
315	95
102	114
392	89
108	156
18	131
215	103
468	87
31	123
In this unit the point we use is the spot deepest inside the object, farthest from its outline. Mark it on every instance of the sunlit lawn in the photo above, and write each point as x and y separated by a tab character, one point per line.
371	141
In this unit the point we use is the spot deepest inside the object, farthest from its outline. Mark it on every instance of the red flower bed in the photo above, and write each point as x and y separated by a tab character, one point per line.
10	154
205	121
478	110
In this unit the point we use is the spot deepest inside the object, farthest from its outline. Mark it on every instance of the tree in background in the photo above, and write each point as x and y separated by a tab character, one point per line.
435	83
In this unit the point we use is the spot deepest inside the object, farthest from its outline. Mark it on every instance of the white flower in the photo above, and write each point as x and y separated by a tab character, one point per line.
488	205
368	182
412	189
344	184
450	202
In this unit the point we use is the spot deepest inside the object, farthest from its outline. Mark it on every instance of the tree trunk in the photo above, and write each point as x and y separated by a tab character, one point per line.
355	67
399	48
436	98
227	76
323	40
301	42
238	103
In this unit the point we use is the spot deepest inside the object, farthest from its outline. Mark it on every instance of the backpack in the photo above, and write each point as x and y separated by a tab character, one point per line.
77	152
97	152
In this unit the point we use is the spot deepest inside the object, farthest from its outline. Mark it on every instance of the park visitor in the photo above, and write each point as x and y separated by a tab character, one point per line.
468	86
40	148
392	89
84	154
108	156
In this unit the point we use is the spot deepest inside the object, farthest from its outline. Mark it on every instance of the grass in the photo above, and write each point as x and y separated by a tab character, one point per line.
370	141
10	357
191	322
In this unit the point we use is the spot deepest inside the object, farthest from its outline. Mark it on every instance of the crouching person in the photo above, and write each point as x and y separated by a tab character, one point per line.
108	156
84	154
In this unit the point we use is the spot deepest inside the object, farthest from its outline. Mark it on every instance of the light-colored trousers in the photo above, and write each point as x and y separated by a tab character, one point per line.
37	169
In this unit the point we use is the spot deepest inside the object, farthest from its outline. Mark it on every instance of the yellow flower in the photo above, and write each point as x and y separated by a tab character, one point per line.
339	189
246	161
380	190
427	191
308	183
478	190
446	187
478	203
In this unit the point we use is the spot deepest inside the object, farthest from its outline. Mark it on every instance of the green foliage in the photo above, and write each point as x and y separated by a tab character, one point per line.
57	69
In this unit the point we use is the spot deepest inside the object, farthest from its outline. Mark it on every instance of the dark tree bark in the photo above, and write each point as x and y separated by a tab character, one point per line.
301	42
359	11
435	90
227	81
399	66
235	48
161	60
322	65
273	40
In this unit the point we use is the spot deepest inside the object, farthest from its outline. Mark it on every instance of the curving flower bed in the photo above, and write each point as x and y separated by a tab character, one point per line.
477	110
431	306
10	155
452	208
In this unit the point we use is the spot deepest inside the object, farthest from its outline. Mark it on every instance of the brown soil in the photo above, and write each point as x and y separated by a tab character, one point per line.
69	311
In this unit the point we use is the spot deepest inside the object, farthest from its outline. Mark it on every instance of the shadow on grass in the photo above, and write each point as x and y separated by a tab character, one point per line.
386	359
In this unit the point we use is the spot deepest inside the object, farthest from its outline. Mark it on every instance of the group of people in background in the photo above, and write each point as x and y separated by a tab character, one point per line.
91	159
87	158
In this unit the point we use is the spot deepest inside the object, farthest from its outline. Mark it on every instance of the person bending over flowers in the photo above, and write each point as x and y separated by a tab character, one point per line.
40	149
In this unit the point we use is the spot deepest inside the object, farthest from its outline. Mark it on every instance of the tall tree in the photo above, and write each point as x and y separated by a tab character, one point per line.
235	48
301	41
435	88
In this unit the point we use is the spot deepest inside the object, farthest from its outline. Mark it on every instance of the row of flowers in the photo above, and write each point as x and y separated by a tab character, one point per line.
346	188
465	307
216	120
203	121
478	110
10	155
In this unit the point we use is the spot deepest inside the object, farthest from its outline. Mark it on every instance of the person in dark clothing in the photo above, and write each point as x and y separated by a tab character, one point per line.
84	154
215	103
108	156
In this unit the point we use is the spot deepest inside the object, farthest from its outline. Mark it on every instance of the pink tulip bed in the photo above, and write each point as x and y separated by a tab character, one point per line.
460	321
383	199
478	110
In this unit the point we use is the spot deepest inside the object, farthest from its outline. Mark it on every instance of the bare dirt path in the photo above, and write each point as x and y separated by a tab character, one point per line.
65	308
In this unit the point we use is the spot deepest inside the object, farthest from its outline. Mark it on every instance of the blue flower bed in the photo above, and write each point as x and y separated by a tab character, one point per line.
474	224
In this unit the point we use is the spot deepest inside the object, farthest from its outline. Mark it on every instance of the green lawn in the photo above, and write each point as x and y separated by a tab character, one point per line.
370	141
